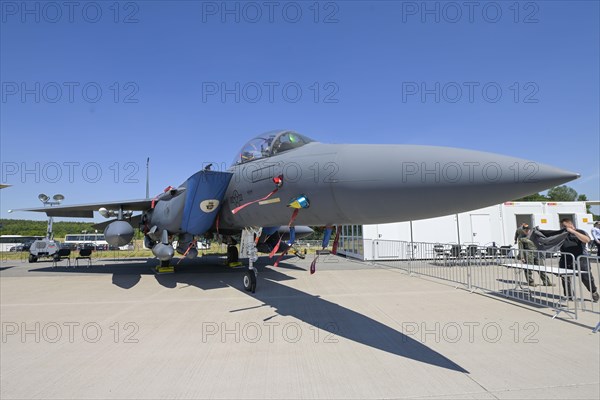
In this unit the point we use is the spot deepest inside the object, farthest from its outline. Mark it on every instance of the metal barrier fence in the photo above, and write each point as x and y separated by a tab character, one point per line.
542	279
588	267
309	243
6	256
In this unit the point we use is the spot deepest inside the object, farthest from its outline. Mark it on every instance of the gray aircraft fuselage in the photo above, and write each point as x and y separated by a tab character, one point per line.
372	184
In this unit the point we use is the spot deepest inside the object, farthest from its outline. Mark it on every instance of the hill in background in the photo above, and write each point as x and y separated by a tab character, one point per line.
26	227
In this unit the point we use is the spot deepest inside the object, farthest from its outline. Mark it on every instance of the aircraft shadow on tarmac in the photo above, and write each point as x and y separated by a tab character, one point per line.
285	301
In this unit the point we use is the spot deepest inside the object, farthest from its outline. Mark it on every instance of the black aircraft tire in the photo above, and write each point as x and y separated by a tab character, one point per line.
250	281
32	258
165	264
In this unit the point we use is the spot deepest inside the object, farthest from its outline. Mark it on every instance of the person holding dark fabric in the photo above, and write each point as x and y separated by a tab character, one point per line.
575	244
531	256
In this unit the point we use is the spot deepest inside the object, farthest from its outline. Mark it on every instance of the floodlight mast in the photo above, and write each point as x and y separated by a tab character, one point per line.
45	199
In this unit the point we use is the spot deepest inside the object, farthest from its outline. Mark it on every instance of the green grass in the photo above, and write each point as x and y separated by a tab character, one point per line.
138	252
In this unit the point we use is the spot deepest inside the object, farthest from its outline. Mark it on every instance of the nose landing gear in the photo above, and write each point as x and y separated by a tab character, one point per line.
250	280
248	249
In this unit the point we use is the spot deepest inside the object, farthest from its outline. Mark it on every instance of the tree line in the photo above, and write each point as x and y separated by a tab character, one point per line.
559	193
26	227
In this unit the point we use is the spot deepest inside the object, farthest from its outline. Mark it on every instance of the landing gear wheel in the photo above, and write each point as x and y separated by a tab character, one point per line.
32	258
165	264
250	281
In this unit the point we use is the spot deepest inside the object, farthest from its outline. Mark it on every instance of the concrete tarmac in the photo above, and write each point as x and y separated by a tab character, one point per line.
352	330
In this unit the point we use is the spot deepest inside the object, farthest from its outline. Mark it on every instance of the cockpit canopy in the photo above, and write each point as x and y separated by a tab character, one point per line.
269	144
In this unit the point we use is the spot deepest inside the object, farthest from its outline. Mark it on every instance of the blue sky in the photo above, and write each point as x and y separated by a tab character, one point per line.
89	92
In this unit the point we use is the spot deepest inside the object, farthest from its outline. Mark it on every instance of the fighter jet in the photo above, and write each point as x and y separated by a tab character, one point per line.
283	178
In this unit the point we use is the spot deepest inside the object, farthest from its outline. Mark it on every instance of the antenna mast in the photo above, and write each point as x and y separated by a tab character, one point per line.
148	178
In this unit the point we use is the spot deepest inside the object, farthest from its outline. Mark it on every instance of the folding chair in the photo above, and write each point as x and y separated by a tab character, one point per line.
84	254
62	254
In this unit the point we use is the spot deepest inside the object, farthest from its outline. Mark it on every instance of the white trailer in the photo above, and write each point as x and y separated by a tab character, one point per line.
515	213
575	210
494	225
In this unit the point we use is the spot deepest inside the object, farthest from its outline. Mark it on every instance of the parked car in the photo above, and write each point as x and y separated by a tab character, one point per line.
25	246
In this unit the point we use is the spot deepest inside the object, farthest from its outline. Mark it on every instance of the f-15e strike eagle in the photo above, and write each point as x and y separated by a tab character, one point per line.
283	178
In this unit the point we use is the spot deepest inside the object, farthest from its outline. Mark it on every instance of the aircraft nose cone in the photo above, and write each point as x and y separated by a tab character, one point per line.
551	175
428	180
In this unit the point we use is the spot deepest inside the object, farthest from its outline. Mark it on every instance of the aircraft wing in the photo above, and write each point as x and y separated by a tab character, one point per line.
87	210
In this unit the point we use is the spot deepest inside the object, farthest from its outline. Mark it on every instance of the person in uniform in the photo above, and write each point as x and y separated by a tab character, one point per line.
519	232
531	256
